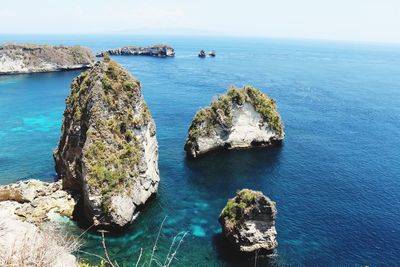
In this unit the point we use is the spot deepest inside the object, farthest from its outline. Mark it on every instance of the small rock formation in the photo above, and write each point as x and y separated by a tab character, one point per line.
34	201
248	222
202	54
241	118
24	244
154	51
212	53
29	58
108	148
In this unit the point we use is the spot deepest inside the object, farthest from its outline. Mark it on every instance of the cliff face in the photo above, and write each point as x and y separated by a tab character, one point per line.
154	51
27	58
108	149
248	222
241	118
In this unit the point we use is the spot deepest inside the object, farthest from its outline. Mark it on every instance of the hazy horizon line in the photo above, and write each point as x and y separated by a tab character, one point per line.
209	35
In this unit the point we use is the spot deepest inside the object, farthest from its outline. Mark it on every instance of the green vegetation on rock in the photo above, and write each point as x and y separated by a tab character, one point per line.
235	207
220	112
109	166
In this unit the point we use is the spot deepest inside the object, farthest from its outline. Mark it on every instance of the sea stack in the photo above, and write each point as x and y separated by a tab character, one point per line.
241	118
202	54
30	58
248	222
108	149
160	50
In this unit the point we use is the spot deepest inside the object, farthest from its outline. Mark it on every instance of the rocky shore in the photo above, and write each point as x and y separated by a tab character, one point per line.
29	58
248	222
241	118
154	51
26	208
108	150
36	201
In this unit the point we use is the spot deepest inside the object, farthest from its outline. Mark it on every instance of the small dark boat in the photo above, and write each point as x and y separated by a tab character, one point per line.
212	53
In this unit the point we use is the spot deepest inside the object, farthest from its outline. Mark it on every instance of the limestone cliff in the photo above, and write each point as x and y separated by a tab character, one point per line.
108	148
241	118
154	51
29	58
248	222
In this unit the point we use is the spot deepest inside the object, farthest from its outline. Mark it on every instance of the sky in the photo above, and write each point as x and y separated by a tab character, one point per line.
352	20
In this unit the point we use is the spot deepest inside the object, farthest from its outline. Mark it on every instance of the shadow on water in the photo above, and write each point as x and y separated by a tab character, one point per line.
228	255
241	168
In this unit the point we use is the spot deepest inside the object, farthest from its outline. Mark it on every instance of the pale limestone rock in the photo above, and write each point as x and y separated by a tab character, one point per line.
29	58
242	118
33	200
154	51
248	222
108	149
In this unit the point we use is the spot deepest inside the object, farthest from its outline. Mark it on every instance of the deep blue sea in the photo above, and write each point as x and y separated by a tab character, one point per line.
336	179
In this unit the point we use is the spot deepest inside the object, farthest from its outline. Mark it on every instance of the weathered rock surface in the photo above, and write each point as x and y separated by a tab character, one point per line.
154	51
24	244
29	58
241	118
202	54
248	222
108	148
34	200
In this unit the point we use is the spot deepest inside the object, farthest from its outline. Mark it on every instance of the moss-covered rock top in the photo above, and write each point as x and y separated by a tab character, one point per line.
211	115
237	207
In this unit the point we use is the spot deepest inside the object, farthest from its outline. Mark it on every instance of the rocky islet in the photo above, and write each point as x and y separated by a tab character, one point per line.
248	222
31	58
154	51
241	118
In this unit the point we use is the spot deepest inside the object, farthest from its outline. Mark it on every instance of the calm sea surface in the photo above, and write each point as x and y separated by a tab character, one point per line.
336	179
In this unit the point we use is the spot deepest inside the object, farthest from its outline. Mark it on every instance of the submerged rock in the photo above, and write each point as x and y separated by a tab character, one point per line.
241	118
155	51
28	58
248	222
108	148
202	54
34	201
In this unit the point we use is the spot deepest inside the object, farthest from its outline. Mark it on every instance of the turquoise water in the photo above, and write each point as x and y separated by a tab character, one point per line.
336	179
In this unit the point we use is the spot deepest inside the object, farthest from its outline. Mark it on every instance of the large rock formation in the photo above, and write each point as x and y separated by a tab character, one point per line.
248	222
27	58
108	148
35	201
241	118
154	51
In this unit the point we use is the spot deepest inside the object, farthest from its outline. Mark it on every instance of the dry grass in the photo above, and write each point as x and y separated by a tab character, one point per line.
37	248
141	261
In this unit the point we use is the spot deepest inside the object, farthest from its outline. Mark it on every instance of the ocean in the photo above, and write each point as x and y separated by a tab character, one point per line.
335	179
